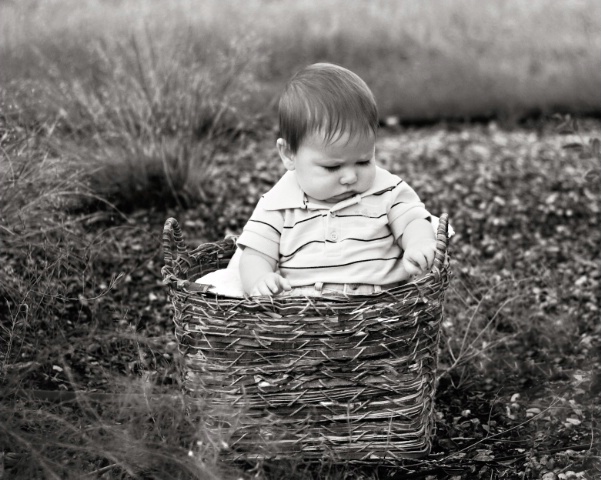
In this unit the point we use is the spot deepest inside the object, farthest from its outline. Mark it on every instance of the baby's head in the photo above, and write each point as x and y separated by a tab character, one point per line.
328	125
326	98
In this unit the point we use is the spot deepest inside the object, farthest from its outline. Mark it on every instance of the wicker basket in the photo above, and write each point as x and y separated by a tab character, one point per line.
340	378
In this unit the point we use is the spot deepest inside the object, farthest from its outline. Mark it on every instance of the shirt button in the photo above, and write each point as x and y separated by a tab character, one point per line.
333	236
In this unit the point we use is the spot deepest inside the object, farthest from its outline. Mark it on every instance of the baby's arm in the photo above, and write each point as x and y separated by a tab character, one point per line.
419	245
257	272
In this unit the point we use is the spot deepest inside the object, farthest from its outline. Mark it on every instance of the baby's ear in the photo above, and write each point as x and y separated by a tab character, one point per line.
285	154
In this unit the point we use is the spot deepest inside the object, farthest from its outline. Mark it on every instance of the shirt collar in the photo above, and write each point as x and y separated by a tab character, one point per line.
286	193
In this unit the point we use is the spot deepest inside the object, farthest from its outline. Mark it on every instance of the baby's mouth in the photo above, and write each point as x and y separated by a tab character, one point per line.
344	196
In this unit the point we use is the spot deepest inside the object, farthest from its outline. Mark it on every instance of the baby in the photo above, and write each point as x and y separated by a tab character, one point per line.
335	221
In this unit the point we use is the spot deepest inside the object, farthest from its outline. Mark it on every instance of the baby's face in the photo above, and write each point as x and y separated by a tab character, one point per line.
332	172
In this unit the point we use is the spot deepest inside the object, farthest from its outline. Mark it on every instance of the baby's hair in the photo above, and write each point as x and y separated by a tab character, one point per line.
326	97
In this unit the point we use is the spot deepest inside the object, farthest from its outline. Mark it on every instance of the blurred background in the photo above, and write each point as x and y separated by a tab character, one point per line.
424	60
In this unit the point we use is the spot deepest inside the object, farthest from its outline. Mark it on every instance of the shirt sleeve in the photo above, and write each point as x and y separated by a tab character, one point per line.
405	207
263	230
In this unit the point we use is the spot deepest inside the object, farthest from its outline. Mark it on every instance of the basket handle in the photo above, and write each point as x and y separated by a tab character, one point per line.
442	240
173	234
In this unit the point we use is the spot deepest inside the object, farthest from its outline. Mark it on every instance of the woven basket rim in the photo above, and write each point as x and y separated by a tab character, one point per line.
176	267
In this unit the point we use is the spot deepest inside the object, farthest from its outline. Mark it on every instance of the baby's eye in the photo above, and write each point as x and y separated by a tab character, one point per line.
364	163
332	168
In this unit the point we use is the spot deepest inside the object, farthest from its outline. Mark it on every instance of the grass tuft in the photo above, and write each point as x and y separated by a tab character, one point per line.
146	130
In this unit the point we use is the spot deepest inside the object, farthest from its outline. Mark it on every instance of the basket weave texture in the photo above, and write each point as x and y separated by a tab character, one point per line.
343	378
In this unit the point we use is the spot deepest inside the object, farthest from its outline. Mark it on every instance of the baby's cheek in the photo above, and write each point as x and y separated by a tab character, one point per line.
368	177
325	186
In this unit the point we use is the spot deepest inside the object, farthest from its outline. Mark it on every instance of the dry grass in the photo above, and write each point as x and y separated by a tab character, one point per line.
141	432
144	125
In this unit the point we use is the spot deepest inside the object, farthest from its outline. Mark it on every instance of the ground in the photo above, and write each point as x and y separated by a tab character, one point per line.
85	311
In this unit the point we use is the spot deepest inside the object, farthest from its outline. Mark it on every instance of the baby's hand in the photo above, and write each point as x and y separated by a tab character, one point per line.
419	257
270	284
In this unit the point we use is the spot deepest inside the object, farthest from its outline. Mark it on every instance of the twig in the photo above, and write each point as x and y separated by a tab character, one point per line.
102	470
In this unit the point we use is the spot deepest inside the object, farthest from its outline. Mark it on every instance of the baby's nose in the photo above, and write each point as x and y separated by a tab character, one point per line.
348	177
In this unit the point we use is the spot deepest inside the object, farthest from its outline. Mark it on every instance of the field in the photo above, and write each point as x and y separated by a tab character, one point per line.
118	115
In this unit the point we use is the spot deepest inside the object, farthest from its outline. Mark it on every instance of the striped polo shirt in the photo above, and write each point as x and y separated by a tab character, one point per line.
353	241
